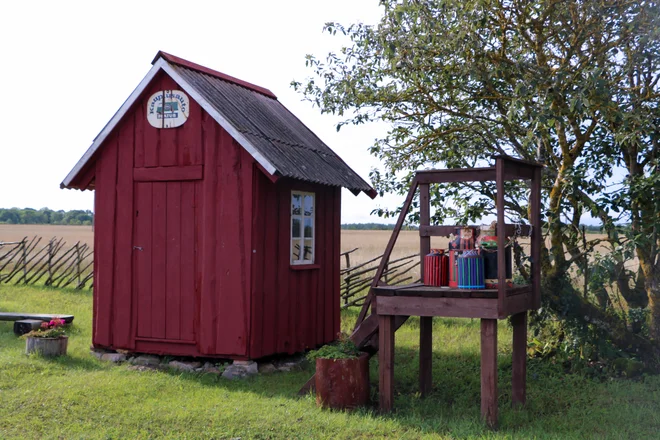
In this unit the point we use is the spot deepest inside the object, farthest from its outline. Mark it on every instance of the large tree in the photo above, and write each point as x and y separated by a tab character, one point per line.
571	83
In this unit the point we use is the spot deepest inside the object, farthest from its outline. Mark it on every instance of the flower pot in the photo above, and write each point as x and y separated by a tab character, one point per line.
47	346
342	383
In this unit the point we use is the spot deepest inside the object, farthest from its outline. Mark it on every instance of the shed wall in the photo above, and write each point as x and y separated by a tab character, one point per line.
293	309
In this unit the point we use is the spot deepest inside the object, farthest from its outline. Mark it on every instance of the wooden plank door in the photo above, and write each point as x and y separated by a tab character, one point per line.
164	275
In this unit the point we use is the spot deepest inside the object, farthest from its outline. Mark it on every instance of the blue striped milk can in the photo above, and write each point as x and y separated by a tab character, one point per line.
471	270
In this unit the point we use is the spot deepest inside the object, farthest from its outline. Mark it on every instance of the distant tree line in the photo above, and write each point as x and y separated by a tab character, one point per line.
45	216
375	226
592	229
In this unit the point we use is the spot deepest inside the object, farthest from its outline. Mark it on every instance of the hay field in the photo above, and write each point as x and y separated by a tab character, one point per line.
70	234
372	243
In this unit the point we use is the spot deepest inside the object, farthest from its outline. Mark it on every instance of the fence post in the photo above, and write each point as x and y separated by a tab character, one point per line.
24	263
347	256
78	261
50	259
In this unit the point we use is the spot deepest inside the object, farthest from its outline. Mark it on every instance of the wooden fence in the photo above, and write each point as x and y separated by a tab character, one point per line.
356	279
28	261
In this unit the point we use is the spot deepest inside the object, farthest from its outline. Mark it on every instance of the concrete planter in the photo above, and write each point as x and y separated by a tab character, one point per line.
47	346
342	383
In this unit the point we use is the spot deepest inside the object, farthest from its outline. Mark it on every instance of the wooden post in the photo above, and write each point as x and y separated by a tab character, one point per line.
386	362
537	234
24	262
425	354
424	220
489	372
585	263
348	278
501	239
519	361
78	261
50	259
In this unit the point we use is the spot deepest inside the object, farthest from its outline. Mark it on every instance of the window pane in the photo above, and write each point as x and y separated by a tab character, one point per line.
295	227
296	201
295	250
309	205
309	225
308	251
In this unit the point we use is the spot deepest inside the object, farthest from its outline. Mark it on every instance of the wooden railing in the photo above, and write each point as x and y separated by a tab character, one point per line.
356	279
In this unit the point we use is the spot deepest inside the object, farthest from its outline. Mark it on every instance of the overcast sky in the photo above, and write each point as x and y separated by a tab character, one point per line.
68	66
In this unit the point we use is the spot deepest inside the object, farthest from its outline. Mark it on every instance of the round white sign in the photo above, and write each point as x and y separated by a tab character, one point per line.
168	109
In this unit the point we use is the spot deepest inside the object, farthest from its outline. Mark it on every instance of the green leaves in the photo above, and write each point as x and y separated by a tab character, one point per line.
574	84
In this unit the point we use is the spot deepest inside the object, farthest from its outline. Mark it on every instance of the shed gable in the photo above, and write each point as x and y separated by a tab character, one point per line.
275	138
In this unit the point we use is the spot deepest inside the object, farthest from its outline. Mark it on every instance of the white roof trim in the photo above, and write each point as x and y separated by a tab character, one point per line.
219	118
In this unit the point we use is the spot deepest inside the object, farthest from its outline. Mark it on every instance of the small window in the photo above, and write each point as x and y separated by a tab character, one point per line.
302	227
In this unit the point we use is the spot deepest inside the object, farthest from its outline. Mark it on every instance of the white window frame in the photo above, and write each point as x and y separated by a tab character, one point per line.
302	218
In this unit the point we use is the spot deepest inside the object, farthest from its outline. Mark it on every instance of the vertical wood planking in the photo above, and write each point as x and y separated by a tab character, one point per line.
283	298
519	359
159	261
95	290
325	283
187	260
173	261
231	261
271	260
334	263
424	220
425	354
245	194
151	135
208	297
258	275
198	228
489	371
123	245
139	117
386	362
143	205
501	237
106	175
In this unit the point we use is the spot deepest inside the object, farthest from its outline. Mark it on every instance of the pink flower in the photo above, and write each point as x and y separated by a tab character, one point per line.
44	325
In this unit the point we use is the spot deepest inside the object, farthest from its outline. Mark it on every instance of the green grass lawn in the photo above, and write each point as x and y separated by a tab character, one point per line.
79	397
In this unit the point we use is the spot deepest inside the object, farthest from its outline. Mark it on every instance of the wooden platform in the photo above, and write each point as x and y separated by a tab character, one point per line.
421	300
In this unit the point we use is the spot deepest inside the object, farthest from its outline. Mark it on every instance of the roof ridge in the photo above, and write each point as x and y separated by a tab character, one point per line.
223	76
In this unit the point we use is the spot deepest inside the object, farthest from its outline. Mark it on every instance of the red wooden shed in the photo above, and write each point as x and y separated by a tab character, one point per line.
217	220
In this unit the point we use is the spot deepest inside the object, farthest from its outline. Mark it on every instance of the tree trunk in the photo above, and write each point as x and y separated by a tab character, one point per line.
568	304
652	285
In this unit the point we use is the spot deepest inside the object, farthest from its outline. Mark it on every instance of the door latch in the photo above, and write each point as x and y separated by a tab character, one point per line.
139	248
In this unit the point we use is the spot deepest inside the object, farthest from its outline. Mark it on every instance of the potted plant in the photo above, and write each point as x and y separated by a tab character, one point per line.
49	340
342	374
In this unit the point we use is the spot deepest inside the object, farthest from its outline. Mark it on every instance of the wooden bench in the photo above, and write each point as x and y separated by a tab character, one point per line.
25	322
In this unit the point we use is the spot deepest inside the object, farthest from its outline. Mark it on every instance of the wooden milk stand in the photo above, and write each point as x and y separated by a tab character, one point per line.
394	304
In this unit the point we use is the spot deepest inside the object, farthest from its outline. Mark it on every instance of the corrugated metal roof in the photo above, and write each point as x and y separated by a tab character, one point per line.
292	148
